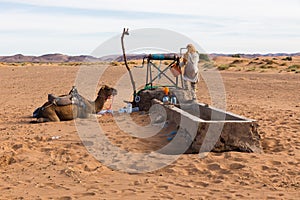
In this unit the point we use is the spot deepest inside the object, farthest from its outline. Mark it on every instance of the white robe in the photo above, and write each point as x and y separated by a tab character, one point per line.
191	68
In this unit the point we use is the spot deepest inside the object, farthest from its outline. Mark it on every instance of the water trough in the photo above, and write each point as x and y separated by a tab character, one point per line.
212	129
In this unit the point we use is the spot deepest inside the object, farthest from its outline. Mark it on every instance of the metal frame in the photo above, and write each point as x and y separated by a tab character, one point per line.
161	72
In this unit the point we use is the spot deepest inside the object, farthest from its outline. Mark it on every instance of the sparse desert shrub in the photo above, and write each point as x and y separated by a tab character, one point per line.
237	61
263	66
166	63
131	62
76	64
232	65
223	67
208	65
289	58
253	63
203	56
115	63
293	68
266	67
269	62
283	64
256	59
236	55
251	69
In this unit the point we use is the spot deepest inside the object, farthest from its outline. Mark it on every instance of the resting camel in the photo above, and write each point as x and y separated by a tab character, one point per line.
78	106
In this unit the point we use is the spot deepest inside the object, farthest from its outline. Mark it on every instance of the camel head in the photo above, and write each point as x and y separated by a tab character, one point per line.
106	92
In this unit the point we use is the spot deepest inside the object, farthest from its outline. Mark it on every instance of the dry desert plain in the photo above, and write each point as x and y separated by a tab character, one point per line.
35	166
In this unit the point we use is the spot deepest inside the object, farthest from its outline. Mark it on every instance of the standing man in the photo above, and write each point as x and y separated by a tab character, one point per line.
190	64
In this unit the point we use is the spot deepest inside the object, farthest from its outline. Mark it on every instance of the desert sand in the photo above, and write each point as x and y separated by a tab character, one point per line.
35	166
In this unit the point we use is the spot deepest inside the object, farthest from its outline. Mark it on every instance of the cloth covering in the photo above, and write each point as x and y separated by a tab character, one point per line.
191	67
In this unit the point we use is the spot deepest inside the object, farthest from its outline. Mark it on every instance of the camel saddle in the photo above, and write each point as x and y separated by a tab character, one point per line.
61	100
72	98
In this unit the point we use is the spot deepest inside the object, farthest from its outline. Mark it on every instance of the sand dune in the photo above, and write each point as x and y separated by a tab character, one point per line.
35	164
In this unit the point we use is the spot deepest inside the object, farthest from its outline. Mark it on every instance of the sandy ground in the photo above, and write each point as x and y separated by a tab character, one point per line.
33	166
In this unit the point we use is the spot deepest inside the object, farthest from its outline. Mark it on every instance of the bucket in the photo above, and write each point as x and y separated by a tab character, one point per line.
175	70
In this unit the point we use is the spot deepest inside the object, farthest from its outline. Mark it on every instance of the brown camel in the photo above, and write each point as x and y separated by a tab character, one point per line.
52	112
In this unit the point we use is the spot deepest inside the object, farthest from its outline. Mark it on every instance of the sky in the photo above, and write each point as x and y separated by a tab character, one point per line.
77	27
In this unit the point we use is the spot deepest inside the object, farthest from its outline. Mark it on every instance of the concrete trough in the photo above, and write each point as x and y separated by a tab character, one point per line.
207	129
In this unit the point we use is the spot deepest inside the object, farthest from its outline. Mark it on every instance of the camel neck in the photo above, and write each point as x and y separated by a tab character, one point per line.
99	103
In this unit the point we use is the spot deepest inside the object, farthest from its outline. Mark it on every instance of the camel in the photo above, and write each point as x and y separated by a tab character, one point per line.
79	107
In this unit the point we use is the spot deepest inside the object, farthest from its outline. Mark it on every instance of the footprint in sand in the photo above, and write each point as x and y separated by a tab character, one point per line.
65	198
214	167
7	159
265	168
202	184
277	163
235	166
86	194
272	145
17	146
239	159
87	143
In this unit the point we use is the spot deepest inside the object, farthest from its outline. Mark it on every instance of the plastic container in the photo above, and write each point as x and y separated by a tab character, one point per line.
55	137
173	100
129	108
135	109
165	99
122	110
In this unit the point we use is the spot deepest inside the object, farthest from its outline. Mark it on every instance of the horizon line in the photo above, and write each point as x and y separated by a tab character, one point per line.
222	53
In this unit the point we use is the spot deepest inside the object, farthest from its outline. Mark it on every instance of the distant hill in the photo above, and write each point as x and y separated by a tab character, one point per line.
48	58
16	58
254	55
59	58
